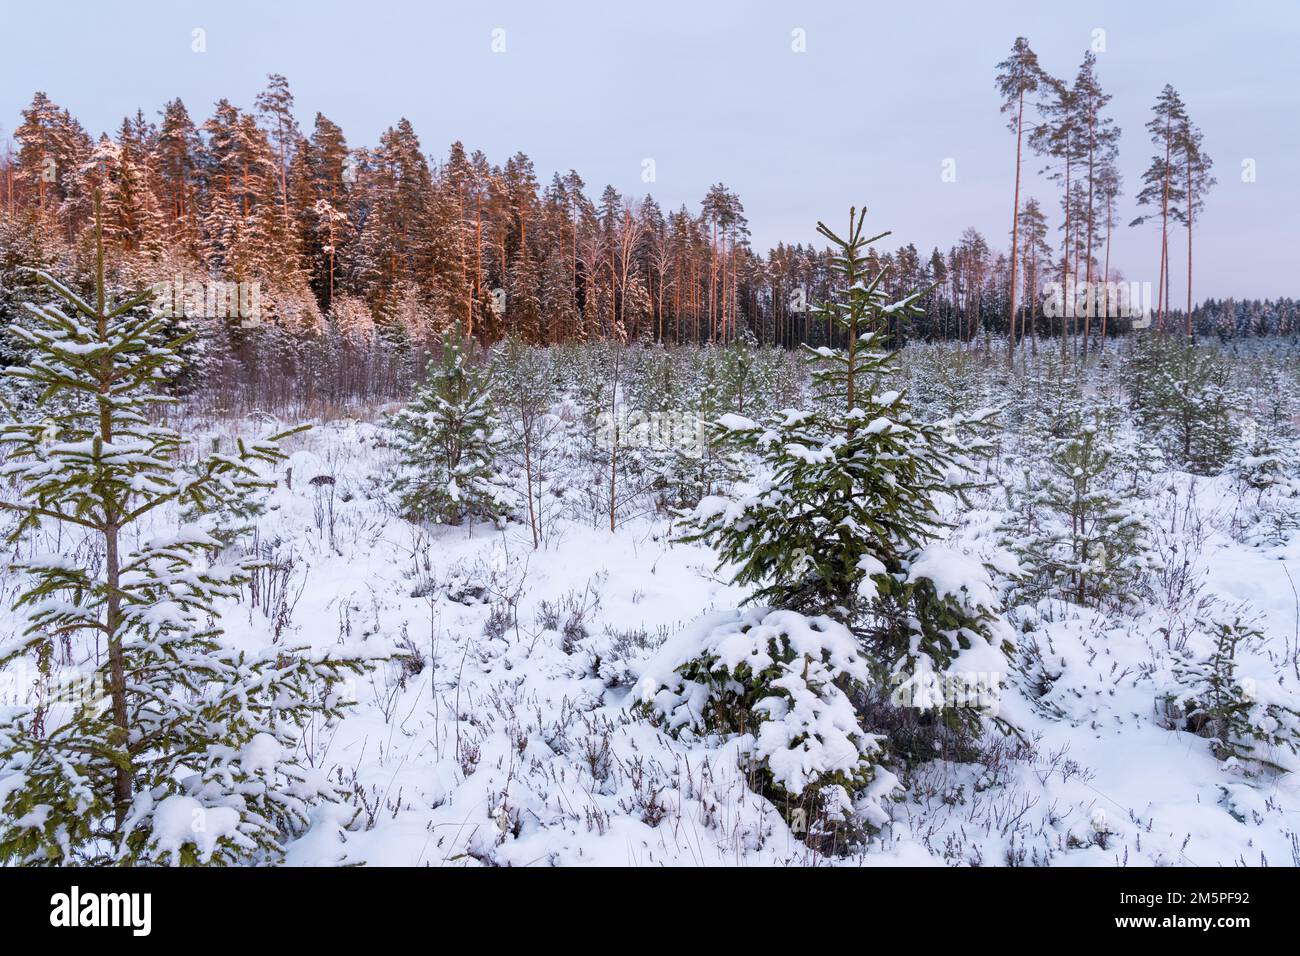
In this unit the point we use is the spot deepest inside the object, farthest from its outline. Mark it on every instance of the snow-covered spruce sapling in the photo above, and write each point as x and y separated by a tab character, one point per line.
1268	457
1074	535
1266	469
676	393
448	441
619	445
702	466
840	539
177	749
1185	401
1247	721
737	373
845	523
535	435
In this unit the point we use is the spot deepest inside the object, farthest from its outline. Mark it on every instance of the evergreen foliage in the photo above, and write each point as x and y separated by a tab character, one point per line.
786	679
849	504
1185	401
844	526
170	747
448	441
1074	534
1246	720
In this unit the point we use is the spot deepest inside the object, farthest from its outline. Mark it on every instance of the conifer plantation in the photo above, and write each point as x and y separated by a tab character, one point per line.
371	501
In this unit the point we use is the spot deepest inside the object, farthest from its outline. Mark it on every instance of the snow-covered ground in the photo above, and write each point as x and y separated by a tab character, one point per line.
506	734
503	729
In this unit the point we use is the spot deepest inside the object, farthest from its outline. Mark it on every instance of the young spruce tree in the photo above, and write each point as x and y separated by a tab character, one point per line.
863	603
170	747
1081	540
449	442
846	522
1245	720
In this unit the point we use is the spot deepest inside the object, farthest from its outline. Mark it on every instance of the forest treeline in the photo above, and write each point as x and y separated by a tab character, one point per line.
389	244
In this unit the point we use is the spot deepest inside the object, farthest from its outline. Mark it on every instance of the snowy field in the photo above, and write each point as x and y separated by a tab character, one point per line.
505	726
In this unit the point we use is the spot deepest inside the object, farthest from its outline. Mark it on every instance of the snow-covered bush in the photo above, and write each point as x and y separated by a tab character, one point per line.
785	680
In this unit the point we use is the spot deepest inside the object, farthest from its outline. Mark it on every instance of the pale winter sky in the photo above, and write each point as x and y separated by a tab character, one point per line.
713	91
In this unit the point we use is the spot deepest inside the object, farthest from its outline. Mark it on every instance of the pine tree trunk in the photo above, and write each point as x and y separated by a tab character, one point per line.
478	264
1105	278
1015	230
284	176
1033	304
1065	262
1190	206
1164	232
1087	252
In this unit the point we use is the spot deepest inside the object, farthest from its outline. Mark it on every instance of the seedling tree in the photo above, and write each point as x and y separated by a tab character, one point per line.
843	524
449	441
843	527
1086	543
1243	721
187	758
1185	400
526	379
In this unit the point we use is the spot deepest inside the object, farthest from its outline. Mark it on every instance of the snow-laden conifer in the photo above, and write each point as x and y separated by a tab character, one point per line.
448	439
165	746
850	499
1076	534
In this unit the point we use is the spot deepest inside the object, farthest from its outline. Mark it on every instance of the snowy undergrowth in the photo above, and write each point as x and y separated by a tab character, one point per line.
504	728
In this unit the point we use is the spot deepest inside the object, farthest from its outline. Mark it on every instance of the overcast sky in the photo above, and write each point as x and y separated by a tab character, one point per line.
713	91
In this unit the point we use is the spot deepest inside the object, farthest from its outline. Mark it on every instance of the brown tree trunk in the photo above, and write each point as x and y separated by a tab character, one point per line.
1190	205
1015	229
478	264
1164	233
1065	262
123	777
1090	299
1105	278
